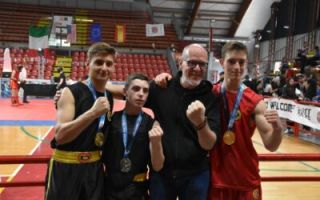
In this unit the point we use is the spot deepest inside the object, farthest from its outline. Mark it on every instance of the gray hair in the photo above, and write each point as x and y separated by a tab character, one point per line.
185	52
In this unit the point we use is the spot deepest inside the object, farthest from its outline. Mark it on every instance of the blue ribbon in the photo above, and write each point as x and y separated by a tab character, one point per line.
127	147
233	115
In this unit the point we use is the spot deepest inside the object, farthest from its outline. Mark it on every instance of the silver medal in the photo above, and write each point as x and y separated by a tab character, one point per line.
125	165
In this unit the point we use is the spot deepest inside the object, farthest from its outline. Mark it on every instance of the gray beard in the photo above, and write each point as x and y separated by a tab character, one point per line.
190	83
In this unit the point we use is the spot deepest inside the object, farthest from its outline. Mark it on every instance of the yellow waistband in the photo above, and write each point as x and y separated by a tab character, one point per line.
140	177
74	157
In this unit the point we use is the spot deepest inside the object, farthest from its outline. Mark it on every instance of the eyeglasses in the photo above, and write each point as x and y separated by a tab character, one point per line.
193	64
100	62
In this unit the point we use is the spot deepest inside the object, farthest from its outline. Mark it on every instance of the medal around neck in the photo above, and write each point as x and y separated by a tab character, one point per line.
99	139
125	165
109	116
229	137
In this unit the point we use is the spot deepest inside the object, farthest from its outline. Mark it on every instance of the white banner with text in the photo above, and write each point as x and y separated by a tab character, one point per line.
303	114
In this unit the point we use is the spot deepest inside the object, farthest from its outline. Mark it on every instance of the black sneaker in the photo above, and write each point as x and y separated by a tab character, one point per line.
25	101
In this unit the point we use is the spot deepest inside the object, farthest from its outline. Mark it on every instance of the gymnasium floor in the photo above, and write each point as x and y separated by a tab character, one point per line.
27	130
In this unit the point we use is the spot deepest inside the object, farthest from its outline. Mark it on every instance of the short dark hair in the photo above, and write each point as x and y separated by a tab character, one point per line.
233	45
135	76
100	48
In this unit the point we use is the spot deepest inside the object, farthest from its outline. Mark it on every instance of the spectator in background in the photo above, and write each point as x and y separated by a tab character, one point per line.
317	53
289	90
284	66
14	84
173	49
154	47
310	88
62	79
317	98
301	61
221	77
22	78
267	90
248	82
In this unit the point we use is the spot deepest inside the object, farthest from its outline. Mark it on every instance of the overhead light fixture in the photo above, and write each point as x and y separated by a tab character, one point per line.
286	27
268	31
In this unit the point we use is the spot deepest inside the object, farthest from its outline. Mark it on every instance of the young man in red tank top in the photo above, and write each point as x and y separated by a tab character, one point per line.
234	161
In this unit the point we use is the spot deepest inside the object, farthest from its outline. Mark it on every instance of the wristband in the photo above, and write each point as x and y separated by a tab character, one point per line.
202	125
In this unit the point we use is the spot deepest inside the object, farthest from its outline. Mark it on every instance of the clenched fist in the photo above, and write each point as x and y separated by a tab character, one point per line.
195	112
100	106
273	118
155	134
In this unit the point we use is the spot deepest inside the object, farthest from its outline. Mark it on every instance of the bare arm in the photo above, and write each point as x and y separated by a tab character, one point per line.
155	145
68	128
206	137
116	90
269	126
162	79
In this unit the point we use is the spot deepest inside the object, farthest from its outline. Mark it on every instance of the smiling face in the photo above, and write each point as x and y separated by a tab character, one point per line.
101	58
137	93
193	66
101	67
234	64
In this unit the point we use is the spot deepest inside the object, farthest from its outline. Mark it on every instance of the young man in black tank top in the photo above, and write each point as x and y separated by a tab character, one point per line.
133	143
83	115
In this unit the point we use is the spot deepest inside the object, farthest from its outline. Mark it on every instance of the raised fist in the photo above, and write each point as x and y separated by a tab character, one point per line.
101	106
195	112
155	134
273	118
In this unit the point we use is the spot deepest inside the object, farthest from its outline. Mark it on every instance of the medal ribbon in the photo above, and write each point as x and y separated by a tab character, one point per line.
127	147
233	115
102	118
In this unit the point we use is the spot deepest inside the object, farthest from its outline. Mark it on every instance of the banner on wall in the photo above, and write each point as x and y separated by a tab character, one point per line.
153	30
120	33
95	35
303	114
72	33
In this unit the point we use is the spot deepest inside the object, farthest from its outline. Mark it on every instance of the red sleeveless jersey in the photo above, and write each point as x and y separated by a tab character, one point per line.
236	166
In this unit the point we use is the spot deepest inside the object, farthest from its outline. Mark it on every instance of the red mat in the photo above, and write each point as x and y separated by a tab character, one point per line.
38	110
35	110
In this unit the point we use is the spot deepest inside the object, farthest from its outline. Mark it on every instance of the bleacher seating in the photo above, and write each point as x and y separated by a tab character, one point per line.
149	65
15	29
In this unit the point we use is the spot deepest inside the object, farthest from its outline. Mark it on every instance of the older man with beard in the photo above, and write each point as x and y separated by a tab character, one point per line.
188	112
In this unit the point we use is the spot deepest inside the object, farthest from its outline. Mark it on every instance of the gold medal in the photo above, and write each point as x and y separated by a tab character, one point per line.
238	115
109	115
255	194
99	139
229	137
